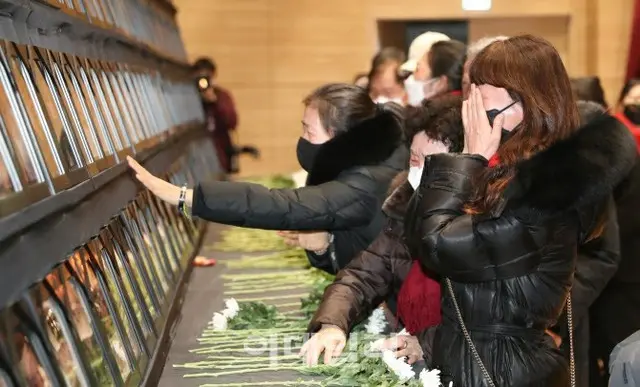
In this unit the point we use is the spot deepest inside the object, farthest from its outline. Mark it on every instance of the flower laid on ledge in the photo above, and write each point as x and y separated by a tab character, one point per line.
398	365
251	315
220	319
232	308
403	371
377	322
219	322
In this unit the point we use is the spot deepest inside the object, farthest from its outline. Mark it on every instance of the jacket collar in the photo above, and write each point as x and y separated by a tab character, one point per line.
369	143
395	206
576	172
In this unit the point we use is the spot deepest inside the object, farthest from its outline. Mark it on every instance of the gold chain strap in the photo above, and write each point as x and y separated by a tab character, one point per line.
465	332
476	355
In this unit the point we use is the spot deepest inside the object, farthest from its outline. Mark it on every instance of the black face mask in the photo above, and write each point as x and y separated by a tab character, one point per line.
632	112
307	153
492	114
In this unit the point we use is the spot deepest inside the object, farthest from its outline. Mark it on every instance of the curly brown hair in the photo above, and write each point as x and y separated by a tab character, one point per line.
440	119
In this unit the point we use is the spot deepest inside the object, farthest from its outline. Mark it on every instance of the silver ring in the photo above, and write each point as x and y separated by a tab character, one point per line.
406	344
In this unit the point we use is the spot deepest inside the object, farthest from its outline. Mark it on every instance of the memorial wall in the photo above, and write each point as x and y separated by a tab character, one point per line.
91	266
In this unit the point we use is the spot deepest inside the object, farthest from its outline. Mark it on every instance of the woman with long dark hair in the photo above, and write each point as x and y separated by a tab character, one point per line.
501	222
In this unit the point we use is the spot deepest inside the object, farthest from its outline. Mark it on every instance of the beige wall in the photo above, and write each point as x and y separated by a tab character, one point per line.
270	53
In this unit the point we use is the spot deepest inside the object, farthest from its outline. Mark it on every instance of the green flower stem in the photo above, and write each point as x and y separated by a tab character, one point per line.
249	332
247	358
295	255
288	304
267	265
249	277
228	366
263	290
269	383
290	312
208	350
270	282
250	339
285	296
243	371
292	318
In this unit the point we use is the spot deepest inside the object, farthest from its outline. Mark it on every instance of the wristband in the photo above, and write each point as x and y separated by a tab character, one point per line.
181	199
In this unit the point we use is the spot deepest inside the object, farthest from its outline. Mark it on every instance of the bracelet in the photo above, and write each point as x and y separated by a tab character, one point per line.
324	251
181	199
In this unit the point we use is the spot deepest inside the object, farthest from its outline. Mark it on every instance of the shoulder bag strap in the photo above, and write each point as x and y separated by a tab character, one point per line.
467	337
476	355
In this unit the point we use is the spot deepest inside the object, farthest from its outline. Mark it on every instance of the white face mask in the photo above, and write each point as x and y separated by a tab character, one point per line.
414	177
383	99
415	90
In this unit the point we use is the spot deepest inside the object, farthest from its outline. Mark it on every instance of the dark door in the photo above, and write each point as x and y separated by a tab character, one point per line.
455	29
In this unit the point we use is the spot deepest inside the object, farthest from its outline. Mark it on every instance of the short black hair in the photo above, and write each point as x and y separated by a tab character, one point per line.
588	89
204	64
440	119
447	58
627	88
589	111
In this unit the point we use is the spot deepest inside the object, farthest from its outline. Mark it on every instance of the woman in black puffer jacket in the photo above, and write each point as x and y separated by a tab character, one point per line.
501	222
350	146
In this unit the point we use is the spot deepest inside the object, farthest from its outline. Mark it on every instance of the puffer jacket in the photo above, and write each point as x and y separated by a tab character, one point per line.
375	275
512	270
344	193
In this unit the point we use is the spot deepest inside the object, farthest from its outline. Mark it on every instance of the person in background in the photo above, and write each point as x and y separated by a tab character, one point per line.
377	273
597	262
220	111
418	48
439	70
352	149
589	89
624	363
616	312
472	50
385	82
501	222
361	79
628	109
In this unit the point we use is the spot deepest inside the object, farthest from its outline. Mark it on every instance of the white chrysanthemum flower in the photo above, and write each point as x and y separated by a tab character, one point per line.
219	322
376	323
430	378
398	366
376	346
232	308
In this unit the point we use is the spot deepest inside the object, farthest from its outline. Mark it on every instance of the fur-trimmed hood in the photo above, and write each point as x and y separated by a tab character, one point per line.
372	142
579	171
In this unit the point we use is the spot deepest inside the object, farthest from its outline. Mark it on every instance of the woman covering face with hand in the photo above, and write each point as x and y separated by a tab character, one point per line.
378	273
351	148
501	222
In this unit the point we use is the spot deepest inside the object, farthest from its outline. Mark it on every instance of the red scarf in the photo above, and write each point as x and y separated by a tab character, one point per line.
494	160
419	300
635	130
419	297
